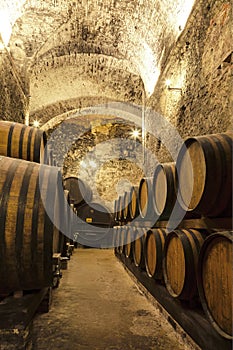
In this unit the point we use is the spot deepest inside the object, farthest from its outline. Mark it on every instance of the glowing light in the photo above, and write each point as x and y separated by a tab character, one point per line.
135	133
5	26
36	123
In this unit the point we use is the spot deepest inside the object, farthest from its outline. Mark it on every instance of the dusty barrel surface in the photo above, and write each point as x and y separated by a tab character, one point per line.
204	166
181	251
27	231
79	191
164	189
133	202
215	278
21	141
138	247
154	247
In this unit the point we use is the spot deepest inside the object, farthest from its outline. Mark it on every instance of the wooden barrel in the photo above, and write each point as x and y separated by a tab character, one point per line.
95	214
79	191
164	189
138	247
180	261
120	208
121	239
129	237
204	166
26	240
145	198
21	141
215	281
133	202
154	246
126	206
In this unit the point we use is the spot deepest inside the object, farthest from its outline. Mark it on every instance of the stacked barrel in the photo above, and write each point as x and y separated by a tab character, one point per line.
30	207
180	227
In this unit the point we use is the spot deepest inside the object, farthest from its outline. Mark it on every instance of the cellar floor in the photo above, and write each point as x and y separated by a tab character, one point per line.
98	306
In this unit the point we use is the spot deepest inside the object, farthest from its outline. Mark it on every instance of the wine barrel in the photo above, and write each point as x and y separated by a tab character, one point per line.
95	214
129	237
164	189
133	202
121	239
120	208
126	206
79	191
204	166
138	247
180	261
21	141
145	199
26	239
215	281
154	246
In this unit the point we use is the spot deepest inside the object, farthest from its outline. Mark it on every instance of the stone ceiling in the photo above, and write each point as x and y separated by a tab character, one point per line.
91	48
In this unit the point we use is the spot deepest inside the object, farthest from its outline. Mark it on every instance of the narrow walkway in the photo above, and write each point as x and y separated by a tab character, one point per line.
99	307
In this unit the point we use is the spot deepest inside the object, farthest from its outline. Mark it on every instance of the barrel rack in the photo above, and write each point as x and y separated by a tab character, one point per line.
187	316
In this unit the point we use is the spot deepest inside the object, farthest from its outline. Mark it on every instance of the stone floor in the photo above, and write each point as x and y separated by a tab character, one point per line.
98	306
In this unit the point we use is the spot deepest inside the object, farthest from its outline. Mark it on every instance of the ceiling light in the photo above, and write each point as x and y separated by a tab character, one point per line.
36	123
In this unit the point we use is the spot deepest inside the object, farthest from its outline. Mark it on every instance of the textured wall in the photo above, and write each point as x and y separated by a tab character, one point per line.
13	99
201	64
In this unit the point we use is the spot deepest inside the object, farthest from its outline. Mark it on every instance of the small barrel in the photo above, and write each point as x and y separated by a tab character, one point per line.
215	278
164	189
180	261
154	246
138	247
26	240
21	141
79	191
133	202
204	166
120	208
129	242
146	199
126	206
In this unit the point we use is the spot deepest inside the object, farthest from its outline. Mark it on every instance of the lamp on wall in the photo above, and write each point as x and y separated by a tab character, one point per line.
168	85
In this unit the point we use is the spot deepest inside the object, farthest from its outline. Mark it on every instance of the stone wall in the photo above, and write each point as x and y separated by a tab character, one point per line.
13	100
200	65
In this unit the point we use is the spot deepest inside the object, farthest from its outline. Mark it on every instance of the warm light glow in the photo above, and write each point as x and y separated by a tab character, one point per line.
5	26
36	123
135	133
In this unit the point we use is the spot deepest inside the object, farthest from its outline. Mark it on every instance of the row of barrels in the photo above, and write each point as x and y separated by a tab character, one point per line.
33	209
191	263
198	184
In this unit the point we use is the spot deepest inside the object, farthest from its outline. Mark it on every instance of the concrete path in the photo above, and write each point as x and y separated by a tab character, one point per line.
99	307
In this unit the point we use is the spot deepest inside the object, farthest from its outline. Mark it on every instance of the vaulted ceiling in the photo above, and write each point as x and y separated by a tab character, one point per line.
112	49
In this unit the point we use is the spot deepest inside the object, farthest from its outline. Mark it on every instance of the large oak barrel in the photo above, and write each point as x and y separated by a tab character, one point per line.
145	199
133	202
180	261
204	167
215	281
26	232
164	189
138	247
154	246
79	191
21	141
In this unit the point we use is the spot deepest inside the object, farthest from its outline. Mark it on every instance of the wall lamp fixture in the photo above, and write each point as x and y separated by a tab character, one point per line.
168	85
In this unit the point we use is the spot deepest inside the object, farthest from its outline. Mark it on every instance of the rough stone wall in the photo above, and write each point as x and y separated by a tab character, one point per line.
201	65
100	151
13	102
